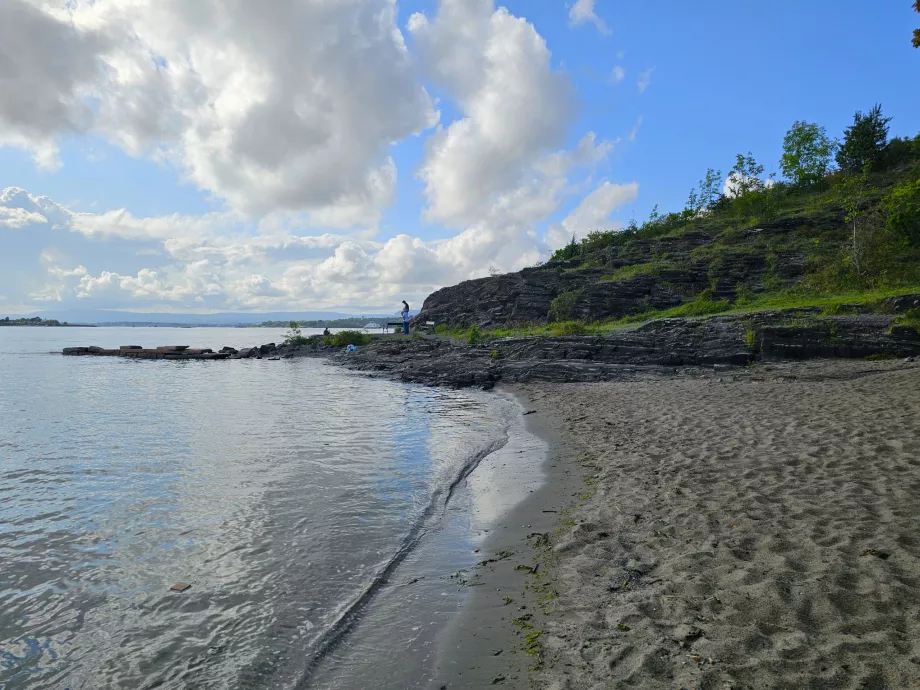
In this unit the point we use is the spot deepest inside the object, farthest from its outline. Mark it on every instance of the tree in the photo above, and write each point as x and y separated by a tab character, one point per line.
711	187
569	251
916	40
854	196
864	142
807	153
693	204
745	176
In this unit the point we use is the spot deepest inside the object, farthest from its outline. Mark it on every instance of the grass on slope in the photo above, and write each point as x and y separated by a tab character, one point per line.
869	300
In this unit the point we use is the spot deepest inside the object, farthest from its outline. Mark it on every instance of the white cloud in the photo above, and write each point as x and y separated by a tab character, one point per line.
634	132
288	116
593	213
645	78
516	107
293	108
583	11
618	74
19	217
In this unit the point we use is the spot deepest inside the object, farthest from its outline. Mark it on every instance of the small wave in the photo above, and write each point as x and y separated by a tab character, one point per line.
349	615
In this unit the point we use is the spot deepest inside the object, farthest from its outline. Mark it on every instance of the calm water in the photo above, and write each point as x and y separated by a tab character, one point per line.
298	499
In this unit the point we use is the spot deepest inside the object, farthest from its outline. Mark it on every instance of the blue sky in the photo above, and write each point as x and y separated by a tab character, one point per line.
719	78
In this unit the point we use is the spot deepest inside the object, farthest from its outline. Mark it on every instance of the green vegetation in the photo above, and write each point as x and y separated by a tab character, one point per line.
294	337
353	322
344	338
563	307
807	152
834	238
911	319
750	339
916	39
568	328
631	271
34	321
864	143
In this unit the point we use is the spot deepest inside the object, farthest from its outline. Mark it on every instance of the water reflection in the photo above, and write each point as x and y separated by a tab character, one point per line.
277	489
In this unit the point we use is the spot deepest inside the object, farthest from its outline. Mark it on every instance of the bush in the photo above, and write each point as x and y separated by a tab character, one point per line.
562	308
569	328
294	337
704	305
475	336
570	251
343	338
903	207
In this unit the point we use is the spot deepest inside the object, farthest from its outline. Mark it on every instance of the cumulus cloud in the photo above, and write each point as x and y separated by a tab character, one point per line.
47	68
19	217
293	108
289	115
593	213
583	11
516	107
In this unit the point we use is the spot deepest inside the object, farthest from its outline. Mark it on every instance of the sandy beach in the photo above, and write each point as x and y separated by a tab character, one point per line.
751	530
756	528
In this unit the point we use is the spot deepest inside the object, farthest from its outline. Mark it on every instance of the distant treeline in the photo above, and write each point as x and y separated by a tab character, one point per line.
356	322
34	321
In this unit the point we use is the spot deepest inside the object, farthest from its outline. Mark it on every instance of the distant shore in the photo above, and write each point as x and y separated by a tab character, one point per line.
756	528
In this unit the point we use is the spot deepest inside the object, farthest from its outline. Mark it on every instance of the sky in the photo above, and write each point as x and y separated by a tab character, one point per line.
200	156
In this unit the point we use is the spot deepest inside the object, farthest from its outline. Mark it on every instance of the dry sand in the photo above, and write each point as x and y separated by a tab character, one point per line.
759	530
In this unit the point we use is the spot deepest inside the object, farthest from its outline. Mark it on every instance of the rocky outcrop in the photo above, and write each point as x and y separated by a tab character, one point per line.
719	341
640	275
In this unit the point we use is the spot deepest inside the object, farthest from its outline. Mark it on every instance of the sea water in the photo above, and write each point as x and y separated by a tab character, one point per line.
322	518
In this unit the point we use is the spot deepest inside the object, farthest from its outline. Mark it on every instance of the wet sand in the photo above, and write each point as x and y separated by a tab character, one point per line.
734	529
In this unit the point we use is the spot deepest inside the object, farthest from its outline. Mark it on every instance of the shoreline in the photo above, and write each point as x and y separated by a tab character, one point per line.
755	528
493	640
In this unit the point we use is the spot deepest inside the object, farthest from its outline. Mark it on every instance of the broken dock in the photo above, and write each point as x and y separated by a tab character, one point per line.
138	352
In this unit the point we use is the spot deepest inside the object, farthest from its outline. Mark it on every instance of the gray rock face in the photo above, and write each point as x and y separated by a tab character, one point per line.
668	271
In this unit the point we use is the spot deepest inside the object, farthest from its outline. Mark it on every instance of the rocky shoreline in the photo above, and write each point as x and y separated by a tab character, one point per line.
721	342
664	345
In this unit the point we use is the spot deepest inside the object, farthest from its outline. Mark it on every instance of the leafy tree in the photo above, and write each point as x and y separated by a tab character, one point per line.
807	153
711	187
854	193
598	239
693	204
745	176
864	142
916	40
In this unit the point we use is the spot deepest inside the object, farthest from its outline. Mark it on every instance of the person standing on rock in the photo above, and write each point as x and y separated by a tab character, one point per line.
405	315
